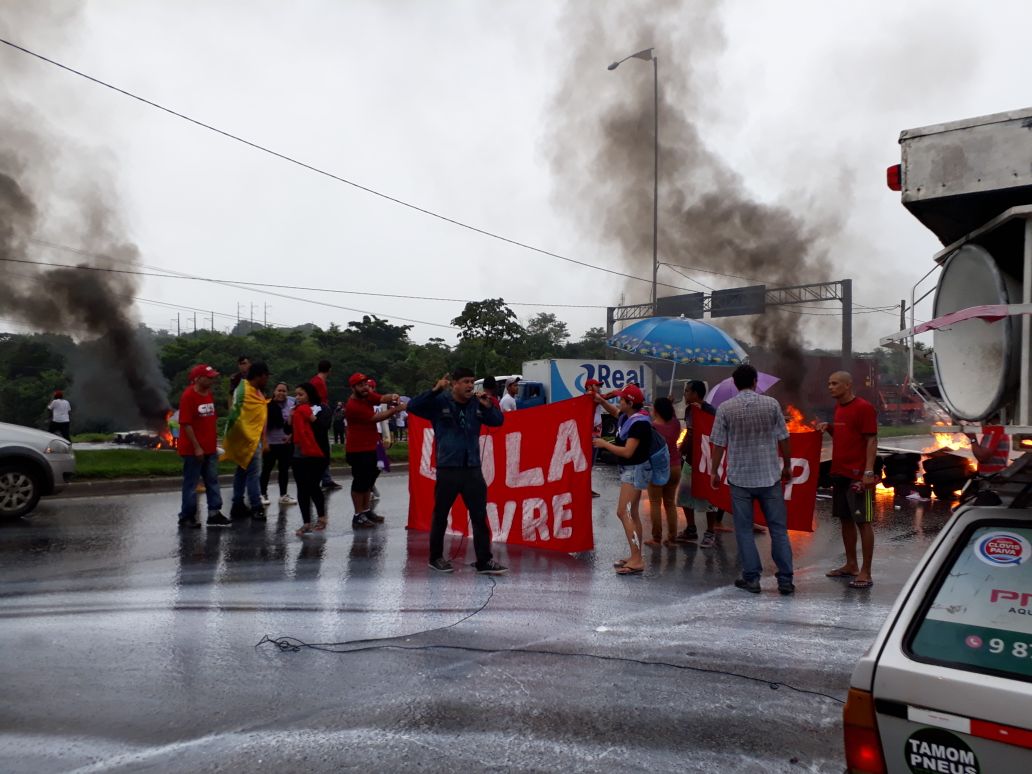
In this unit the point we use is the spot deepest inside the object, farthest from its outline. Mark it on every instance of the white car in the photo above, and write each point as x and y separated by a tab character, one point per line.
32	464
947	685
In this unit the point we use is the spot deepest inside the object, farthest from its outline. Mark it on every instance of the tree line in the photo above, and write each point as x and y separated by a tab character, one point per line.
491	341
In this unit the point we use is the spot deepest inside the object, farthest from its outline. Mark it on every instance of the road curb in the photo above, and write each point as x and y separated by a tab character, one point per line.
115	486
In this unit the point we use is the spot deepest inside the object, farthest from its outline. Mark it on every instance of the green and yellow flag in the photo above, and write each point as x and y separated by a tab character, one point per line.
245	424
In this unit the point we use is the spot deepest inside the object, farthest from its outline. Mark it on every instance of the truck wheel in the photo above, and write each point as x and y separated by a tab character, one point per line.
20	489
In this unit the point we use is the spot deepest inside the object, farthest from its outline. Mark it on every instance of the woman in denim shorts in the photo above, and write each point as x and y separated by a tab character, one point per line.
645	462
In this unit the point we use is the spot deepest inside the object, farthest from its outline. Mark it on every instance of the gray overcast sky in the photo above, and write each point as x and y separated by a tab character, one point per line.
446	105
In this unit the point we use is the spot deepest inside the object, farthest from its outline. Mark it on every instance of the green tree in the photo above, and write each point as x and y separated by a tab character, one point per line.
591	345
546	336
490	337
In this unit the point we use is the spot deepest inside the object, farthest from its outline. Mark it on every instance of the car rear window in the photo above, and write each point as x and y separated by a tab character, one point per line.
978	616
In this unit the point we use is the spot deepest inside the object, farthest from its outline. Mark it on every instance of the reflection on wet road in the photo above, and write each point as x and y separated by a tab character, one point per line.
128	644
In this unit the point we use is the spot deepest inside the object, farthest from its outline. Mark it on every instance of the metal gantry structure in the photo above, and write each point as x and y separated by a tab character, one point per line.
837	290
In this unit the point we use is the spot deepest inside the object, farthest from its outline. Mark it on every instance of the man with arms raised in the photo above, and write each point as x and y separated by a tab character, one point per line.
854	445
456	416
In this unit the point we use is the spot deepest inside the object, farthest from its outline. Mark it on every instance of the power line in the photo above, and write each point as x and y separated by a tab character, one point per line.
224	283
172	274
331	175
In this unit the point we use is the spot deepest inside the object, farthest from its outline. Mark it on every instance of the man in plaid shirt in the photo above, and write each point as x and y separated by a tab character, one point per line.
752	429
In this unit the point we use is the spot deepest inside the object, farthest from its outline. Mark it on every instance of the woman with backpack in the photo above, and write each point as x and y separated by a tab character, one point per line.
645	461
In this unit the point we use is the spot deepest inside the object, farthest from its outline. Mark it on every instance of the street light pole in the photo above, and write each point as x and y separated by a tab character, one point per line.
649	55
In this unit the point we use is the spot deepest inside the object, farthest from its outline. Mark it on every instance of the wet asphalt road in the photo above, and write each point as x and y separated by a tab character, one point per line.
129	646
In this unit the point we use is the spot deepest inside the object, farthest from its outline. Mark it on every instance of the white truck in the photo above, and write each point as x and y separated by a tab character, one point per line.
547	381
947	684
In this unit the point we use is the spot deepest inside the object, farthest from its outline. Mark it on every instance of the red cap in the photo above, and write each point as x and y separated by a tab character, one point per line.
357	379
202	370
633	393
593	383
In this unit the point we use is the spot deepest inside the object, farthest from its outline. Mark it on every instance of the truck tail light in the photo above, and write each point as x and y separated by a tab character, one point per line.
863	749
894	177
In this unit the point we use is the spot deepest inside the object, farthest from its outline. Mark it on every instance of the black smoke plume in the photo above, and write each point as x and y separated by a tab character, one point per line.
55	190
600	141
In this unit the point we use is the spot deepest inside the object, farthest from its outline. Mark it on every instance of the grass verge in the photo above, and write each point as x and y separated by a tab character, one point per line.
896	431
145	463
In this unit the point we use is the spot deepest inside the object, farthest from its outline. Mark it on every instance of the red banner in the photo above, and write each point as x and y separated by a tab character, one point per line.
800	491
538	471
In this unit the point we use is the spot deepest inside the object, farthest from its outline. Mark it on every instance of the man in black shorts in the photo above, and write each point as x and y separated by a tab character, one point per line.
360	445
854	435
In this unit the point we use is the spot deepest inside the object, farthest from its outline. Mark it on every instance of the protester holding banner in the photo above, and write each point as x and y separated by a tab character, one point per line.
661	496
456	416
646	461
694	392
751	428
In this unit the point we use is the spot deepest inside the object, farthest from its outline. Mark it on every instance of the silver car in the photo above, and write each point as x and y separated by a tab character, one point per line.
32	464
947	685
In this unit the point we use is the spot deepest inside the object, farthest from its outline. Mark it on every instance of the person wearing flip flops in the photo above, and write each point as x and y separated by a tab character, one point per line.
309	459
646	460
854	446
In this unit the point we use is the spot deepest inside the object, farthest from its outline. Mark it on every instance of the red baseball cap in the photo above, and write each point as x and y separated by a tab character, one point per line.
633	393
357	379
202	370
593	383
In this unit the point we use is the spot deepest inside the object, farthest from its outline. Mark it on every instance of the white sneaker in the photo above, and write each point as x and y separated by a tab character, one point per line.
287	500
265	500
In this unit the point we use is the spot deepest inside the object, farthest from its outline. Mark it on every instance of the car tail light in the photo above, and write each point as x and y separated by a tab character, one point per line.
863	749
894	177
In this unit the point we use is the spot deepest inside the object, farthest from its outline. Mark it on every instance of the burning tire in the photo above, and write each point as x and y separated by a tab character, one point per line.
946	473
20	490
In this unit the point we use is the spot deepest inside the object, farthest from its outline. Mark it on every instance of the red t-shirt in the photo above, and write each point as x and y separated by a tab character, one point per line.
849	447
197	411
304	437
362	432
320	387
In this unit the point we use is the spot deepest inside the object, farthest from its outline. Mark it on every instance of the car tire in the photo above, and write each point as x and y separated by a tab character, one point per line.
20	490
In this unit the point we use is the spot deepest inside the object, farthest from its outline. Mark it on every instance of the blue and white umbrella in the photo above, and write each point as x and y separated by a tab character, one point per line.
679	340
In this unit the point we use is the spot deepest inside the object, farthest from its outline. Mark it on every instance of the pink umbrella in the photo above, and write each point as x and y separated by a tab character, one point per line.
726	389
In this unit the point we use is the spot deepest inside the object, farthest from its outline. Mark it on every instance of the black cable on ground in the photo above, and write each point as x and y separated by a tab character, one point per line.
293	645
289	644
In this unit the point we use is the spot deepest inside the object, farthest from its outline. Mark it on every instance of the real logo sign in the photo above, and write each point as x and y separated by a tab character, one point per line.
1003	549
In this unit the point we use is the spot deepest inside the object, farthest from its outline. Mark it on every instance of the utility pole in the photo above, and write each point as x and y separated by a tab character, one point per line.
903	315
195	322
179	330
252	318
266	315
238	313
847	324
213	322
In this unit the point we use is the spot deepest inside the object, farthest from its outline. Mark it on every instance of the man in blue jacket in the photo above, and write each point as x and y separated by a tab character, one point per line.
456	416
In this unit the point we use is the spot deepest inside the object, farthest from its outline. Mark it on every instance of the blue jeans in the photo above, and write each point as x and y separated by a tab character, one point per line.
772	503
251	478
194	469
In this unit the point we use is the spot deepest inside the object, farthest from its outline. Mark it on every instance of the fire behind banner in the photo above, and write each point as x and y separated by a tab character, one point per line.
800	491
538	471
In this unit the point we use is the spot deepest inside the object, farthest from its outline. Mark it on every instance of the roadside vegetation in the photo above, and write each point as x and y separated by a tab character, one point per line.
147	463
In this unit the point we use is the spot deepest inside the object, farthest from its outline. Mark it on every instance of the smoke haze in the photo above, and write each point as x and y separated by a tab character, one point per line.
52	190
601	144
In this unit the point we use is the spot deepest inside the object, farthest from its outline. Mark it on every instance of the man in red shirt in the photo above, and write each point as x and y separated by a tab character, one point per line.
198	442
360	445
854	435
321	428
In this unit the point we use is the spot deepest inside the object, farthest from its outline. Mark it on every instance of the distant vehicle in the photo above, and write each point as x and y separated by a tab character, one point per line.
32	464
548	381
